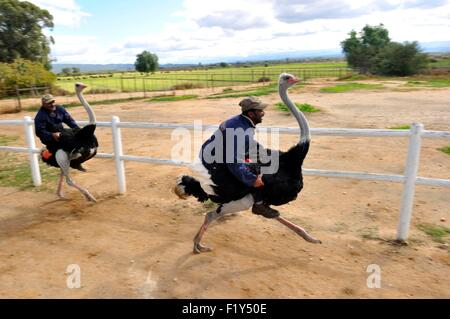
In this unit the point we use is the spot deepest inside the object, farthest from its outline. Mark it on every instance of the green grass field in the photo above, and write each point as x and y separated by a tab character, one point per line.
446	150
307	108
6	139
15	170
440	62
217	77
350	87
400	127
264	90
173	98
437	83
439	233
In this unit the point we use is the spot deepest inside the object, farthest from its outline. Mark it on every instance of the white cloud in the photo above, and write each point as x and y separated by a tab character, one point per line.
65	12
292	11
232	20
75	49
212	30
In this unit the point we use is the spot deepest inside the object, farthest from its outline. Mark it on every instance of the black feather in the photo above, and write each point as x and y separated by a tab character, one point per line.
76	140
279	188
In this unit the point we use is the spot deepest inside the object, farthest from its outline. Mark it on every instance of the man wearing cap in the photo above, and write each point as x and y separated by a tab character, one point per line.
237	160
49	123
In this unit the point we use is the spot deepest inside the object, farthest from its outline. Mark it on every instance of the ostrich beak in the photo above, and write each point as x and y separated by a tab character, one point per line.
293	80
81	86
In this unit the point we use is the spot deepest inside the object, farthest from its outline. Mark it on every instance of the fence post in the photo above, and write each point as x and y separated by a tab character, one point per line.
19	103
118	152
412	165
33	157
143	86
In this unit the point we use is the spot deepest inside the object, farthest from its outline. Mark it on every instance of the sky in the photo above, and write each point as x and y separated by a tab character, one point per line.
202	31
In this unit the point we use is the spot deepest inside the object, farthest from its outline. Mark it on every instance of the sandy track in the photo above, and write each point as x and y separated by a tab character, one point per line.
139	245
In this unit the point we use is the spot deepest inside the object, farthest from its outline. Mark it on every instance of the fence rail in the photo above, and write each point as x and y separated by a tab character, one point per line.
409	179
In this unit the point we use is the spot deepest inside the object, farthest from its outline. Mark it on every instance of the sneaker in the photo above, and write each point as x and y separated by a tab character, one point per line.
265	210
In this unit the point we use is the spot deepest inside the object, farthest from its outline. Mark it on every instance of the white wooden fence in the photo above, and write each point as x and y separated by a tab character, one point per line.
409	179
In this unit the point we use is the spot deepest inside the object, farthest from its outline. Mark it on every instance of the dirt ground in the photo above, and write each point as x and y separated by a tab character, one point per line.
139	245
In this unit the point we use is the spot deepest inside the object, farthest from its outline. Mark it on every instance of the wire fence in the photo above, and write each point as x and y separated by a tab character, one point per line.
179	80
123	86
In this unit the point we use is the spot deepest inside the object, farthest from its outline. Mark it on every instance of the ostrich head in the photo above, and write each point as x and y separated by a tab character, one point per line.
287	80
79	87
284	83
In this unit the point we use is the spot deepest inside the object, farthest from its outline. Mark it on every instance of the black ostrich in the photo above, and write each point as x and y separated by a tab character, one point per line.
280	188
77	147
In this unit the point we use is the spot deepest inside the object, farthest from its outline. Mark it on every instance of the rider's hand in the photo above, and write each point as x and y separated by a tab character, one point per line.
259	182
56	136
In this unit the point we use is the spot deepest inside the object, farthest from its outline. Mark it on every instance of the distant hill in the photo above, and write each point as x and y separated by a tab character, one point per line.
435	47
428	47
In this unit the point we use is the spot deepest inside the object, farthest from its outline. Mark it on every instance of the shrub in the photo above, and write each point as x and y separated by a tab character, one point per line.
373	52
23	74
100	91
305	107
263	79
400	59
57	91
186	86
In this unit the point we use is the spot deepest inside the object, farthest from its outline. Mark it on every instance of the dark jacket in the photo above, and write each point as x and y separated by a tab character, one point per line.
237	160
47	122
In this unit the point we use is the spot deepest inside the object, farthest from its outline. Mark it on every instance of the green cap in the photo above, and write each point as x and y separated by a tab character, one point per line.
47	98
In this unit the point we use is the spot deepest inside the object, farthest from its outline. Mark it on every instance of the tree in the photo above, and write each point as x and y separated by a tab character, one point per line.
146	62
374	52
76	71
21	36
66	71
361	51
400	59
24	74
223	65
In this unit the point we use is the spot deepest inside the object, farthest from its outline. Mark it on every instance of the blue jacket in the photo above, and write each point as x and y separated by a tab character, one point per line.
47	122
237	159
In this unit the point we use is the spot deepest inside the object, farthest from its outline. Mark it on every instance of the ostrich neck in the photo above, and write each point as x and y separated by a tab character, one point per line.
87	107
305	135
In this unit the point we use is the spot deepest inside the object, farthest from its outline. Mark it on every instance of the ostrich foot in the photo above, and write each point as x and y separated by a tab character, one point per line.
89	197
199	248
61	196
299	231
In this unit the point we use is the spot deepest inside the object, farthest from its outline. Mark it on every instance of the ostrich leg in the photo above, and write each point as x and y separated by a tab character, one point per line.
60	184
228	208
62	158
209	218
300	231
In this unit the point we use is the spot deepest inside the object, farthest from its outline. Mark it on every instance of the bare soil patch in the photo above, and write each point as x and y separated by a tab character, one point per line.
139	245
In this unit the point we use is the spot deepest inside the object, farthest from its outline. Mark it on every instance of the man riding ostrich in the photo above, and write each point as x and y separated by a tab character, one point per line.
66	147
238	184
